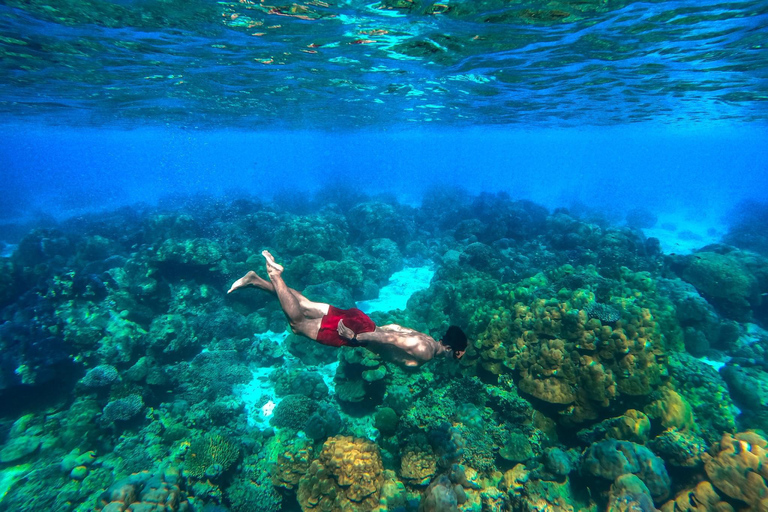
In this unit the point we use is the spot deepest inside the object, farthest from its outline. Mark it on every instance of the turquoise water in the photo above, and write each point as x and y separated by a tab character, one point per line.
579	186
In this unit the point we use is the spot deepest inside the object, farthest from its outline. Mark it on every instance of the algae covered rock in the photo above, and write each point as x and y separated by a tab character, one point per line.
196	251
682	449
516	448
723	279
629	493
18	448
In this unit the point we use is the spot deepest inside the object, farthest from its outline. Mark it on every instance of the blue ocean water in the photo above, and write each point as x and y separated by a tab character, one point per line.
579	187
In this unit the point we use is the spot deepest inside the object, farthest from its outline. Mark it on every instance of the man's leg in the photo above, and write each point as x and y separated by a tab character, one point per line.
301	323
311	309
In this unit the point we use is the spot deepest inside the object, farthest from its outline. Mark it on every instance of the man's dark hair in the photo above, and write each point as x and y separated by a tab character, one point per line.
456	339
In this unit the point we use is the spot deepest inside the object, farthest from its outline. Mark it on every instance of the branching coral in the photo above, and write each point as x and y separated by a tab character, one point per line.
208	451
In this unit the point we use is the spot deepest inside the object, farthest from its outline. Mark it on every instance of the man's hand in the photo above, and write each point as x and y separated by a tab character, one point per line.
344	331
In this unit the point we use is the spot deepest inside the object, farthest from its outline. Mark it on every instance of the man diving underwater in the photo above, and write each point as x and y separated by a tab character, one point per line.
336	327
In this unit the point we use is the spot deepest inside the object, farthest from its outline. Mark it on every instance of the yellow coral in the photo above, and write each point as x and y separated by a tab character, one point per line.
346	476
418	466
563	357
292	464
672	410
631	426
740	468
702	498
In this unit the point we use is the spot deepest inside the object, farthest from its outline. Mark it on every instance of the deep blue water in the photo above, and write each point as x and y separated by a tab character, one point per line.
709	167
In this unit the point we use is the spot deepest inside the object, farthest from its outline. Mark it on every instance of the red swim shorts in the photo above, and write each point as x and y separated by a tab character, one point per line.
353	318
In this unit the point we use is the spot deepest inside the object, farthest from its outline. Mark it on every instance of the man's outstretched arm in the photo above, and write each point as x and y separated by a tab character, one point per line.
357	340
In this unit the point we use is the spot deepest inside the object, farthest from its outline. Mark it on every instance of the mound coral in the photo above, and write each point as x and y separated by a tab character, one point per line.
159	492
292	463
565	358
671	410
606	313
418	465
702	498
610	459
723	279
347	475
293	411
739	468
122	409
99	376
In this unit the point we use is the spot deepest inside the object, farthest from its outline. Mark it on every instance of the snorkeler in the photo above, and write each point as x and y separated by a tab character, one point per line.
336	327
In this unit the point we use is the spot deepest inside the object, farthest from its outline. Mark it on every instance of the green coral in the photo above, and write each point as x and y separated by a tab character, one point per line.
207	451
293	411
197	251
386	421
516	448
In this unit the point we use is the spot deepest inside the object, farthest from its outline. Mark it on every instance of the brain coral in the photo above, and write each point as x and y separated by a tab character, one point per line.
740	468
98	376
122	409
346	476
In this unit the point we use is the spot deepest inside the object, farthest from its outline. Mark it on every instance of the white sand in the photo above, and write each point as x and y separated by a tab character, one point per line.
401	286
686	232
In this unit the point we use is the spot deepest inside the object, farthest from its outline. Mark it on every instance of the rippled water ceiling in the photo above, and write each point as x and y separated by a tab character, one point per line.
320	64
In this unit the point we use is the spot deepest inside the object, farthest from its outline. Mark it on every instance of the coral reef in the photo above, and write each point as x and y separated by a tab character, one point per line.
599	370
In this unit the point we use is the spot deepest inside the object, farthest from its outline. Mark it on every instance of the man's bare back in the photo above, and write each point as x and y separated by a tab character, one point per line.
392	342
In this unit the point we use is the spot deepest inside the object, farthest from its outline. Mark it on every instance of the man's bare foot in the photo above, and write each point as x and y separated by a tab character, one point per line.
250	279
273	268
